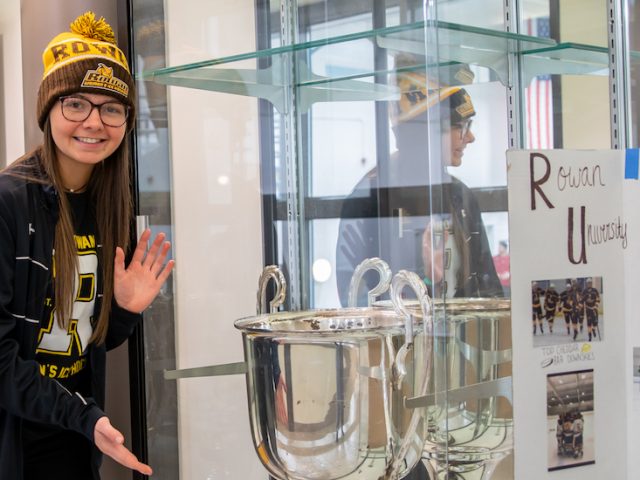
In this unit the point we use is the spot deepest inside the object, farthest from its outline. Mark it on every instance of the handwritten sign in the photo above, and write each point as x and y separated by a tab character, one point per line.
573	177
566	354
573	231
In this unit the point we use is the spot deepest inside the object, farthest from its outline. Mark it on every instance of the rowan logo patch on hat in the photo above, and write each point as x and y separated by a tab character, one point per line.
465	109
418	93
102	77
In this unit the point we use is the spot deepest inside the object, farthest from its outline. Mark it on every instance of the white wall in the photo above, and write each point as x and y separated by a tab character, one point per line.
585	99
11	110
217	239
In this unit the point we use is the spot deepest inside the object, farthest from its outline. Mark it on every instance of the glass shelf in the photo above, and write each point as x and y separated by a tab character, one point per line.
566	59
288	66
270	84
464	44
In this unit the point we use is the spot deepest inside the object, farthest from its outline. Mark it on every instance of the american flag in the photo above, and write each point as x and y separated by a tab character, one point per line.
538	96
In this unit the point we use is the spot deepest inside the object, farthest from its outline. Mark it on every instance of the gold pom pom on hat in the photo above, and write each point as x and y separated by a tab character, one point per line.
87	26
87	38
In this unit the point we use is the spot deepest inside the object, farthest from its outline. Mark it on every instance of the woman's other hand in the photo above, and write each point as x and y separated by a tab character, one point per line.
111	442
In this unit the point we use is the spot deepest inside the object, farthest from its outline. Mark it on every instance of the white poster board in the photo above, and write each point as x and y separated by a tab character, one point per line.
574	232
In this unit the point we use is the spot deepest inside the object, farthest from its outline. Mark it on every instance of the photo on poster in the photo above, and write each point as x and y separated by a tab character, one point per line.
570	420
567	310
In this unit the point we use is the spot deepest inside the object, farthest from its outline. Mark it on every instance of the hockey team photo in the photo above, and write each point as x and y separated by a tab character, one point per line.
567	310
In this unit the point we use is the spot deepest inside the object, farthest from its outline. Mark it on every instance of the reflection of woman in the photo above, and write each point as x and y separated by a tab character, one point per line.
433	227
413	221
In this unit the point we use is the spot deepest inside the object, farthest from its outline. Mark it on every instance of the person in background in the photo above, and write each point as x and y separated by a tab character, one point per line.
578	439
566	305
536	307
559	428
551	305
66	293
503	267
591	304
577	320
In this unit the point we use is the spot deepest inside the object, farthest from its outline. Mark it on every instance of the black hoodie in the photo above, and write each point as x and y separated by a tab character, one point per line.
28	215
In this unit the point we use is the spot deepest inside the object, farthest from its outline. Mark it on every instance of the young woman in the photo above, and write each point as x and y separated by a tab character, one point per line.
66	295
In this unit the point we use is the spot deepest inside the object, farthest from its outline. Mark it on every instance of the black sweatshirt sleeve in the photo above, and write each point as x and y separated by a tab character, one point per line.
121	325
23	391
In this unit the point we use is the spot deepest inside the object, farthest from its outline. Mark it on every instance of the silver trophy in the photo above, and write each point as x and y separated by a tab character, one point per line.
327	389
469	399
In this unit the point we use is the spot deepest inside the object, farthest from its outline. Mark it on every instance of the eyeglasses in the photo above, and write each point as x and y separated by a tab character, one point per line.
464	127
78	109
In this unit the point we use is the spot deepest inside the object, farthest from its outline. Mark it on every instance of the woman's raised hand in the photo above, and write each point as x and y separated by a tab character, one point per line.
135	286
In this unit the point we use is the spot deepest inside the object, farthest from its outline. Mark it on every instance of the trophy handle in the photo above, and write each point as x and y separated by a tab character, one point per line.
401	280
271	272
367	264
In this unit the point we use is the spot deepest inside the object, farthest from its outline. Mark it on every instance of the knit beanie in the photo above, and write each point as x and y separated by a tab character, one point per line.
85	59
418	93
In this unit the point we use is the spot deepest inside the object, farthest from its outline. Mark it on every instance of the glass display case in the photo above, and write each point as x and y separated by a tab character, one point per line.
316	134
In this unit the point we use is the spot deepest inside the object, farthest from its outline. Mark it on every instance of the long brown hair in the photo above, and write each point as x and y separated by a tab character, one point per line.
110	193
